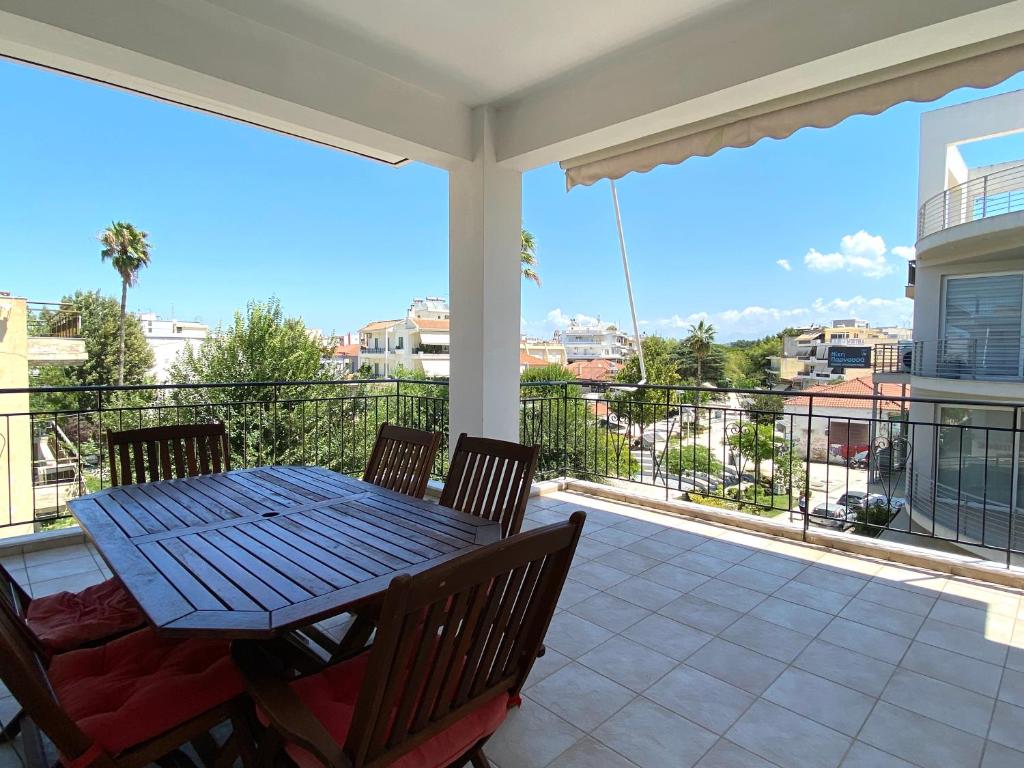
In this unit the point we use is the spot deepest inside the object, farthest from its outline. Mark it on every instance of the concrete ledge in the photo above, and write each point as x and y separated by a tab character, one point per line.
943	562
542	488
33	542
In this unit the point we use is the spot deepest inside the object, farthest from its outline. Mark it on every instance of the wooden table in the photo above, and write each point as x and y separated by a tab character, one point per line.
255	552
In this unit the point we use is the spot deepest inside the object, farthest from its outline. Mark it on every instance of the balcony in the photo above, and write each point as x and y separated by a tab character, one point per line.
54	334
978	359
994	194
683	643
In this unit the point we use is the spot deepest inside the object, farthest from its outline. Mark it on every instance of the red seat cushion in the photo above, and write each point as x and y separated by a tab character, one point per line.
141	685
331	696
70	620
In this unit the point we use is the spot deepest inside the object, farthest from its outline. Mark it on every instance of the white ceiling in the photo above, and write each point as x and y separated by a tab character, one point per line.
474	51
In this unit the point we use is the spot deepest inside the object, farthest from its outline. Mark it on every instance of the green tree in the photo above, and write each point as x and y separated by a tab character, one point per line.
713	366
528	256
765	408
754	443
699	342
564	424
687	459
128	251
642	406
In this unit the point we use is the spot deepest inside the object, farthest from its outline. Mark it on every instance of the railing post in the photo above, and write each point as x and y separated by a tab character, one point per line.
398	400
668	437
945	209
565	430
807	468
984	196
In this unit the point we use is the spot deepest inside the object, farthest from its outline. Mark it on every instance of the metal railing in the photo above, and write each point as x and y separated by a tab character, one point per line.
993	194
922	469
53	319
997	358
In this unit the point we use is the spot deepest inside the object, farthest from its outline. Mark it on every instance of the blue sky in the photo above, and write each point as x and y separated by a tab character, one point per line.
235	213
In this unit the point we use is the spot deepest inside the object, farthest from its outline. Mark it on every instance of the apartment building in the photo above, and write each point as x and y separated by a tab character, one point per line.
418	342
167	338
551	351
968	287
595	341
825	355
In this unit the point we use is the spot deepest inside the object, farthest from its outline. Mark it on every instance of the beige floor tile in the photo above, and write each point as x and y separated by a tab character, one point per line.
995	626
736	665
833	579
55	554
643	528
549	663
753	578
704	615
998	756
997	599
666	636
644	592
730	595
1012	688
725	754
940	701
876	643
654	737
840	708
921	740
777	564
573	592
628	663
960	640
581	696
75	583
845	667
764	637
698	563
612	613
882	617
862	755
61	568
963	671
596	575
627	562
655	548
531	737
676	578
589	549
892	596
615	536
682	539
792	616
724	550
787	738
861	566
702	698
1008	725
573	636
590	753
808	595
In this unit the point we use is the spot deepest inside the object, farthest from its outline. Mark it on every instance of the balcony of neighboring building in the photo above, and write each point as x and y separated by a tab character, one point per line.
992	359
54	332
982	216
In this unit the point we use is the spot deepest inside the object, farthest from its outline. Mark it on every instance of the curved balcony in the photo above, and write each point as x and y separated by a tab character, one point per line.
993	194
993	359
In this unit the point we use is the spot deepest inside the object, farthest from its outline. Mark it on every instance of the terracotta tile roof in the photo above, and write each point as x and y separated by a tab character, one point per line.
531	361
862	385
592	370
378	325
431	325
346	350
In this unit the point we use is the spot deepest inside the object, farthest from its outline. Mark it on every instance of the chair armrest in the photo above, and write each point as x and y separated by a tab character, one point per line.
286	712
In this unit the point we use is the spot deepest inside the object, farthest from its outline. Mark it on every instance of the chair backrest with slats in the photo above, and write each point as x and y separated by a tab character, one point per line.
455	637
163	453
402	459
22	672
491	479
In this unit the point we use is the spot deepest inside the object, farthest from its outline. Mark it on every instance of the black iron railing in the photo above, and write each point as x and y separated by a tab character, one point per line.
915	469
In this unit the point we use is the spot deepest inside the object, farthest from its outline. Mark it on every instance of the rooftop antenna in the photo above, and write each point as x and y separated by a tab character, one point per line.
629	293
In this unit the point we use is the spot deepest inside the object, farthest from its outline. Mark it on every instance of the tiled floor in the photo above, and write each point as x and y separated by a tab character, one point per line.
680	644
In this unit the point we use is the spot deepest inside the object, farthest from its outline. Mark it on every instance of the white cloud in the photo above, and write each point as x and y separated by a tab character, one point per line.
784	263
907	252
556	318
861	252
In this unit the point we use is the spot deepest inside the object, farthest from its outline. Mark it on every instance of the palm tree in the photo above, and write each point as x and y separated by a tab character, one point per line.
528	257
128	250
702	336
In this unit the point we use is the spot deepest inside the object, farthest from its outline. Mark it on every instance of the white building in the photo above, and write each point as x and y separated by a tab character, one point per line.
419	342
968	287
167	338
595	341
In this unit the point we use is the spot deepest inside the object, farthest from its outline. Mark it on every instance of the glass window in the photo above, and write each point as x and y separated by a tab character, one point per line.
981	331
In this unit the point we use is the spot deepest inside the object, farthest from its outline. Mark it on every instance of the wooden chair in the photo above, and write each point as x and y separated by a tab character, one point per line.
163	453
402	459
491	479
454	647
129	703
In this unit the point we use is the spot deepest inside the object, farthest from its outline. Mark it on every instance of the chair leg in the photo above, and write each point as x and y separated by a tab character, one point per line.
356	637
477	758
268	748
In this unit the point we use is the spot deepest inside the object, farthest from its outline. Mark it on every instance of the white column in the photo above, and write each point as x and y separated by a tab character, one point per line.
485	215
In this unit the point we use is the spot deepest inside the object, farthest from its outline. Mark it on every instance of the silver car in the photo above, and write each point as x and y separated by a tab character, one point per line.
832	515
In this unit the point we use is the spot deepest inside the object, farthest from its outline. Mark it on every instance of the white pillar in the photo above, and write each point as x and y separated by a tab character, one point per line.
485	215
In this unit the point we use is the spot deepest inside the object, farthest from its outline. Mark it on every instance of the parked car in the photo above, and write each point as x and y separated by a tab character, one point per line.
832	515
854	500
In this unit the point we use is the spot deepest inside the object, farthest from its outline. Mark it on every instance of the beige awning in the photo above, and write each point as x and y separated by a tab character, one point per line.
980	66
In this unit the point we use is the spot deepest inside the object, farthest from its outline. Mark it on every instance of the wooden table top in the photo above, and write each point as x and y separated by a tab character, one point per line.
255	552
